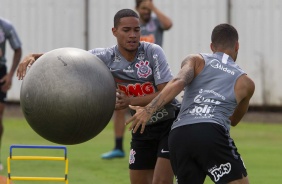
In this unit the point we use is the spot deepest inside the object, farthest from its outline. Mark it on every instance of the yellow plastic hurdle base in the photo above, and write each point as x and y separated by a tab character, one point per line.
23	178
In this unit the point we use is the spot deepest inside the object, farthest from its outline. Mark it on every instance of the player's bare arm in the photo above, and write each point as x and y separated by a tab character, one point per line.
7	79
172	89
16	61
26	62
244	90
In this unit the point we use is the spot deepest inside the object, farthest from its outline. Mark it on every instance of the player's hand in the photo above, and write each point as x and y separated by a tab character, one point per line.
122	100
23	65
140	118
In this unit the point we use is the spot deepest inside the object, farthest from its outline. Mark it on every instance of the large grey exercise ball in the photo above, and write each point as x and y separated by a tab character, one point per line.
68	96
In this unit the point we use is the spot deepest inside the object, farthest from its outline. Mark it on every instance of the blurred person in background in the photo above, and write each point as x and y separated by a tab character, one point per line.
7	32
152	27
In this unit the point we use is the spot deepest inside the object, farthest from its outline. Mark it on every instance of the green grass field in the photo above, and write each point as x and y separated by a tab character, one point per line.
260	144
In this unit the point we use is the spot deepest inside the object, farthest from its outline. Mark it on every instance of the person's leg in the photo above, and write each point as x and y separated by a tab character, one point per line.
163	173
2	107
219	156
244	180
149	155
141	176
119	129
142	159
181	147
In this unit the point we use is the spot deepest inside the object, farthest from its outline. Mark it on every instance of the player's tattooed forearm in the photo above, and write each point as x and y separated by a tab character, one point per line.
154	105
149	110
157	103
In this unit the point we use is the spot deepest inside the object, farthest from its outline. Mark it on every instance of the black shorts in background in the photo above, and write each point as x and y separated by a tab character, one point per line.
204	149
3	72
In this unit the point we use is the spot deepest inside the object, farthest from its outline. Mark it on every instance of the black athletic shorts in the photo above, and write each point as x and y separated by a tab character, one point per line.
204	149
147	147
3	72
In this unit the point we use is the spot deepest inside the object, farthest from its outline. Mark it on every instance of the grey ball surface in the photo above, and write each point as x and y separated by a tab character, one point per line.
68	96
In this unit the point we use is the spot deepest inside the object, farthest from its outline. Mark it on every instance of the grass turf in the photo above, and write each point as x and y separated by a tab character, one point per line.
258	143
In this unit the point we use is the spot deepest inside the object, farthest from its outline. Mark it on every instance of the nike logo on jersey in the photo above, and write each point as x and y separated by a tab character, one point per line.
113	70
164	151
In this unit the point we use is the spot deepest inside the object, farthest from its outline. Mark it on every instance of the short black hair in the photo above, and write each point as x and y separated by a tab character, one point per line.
124	13
224	35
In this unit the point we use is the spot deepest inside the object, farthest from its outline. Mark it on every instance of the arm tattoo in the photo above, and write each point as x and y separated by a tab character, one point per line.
187	72
188	76
154	105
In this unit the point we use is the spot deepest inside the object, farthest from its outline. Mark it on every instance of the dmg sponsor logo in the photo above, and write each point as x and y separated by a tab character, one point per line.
137	89
220	171
216	64
158	115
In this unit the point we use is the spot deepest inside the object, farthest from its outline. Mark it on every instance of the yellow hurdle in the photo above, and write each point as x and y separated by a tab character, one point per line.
59	179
